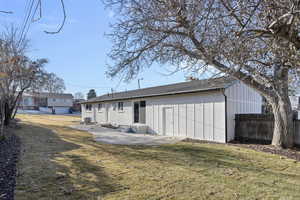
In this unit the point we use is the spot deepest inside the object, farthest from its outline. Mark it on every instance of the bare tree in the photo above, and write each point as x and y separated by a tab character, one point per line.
47	82
78	95
17	74
255	41
54	84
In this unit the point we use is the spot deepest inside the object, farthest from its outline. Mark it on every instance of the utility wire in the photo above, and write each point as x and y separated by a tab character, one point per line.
63	22
38	8
25	26
6	12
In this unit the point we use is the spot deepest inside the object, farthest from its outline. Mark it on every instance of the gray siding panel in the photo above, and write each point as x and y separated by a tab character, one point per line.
199	115
240	99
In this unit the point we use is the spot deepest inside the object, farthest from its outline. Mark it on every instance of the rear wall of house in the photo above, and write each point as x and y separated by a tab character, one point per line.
114	116
197	115
241	99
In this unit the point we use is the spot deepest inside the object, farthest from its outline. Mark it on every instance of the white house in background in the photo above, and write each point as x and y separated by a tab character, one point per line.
47	102
295	102
199	109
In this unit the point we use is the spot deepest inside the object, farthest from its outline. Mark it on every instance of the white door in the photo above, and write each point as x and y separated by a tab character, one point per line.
168	121
106	112
94	112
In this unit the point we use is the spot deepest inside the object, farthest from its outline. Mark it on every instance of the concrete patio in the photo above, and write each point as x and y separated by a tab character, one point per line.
114	136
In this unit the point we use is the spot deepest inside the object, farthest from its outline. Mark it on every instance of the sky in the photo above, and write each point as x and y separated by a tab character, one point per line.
78	54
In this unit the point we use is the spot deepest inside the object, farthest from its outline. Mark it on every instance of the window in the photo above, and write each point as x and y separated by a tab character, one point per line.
88	107
143	104
100	106
120	106
114	105
26	101
54	100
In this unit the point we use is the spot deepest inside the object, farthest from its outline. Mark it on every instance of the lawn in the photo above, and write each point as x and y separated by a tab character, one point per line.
58	162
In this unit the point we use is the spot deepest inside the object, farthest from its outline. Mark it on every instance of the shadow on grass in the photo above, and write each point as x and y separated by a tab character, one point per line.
199	156
48	170
79	172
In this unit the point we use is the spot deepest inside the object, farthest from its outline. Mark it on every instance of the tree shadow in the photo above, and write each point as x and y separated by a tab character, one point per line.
79	178
47	169
202	158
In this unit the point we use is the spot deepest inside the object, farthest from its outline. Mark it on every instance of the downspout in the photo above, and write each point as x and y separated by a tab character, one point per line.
225	97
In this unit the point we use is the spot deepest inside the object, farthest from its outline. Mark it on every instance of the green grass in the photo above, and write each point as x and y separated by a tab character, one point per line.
62	163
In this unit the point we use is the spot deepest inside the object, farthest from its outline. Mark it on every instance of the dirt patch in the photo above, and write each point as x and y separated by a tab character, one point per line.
289	153
9	151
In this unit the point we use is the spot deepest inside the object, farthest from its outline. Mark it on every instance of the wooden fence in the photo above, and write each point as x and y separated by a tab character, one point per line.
259	128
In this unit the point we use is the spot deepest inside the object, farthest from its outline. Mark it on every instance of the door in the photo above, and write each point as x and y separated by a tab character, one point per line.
106	112
168	122
94	112
136	112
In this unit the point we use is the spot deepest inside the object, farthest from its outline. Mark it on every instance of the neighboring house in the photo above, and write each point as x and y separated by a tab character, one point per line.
47	102
295	102
77	105
199	109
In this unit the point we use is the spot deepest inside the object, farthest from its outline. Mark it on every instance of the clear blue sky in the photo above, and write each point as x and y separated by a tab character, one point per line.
79	53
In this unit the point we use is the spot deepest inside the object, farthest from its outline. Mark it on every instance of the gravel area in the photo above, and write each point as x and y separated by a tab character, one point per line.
9	151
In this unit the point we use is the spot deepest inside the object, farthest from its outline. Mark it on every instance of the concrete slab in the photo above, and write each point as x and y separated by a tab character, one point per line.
114	136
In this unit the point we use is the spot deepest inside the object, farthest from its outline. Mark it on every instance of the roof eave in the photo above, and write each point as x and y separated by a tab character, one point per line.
155	95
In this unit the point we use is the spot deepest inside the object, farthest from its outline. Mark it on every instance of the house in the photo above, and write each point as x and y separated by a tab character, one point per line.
47	102
295	102
199	109
77	105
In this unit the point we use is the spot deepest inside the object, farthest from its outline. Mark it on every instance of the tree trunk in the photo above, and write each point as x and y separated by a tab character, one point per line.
283	135
7	115
2	136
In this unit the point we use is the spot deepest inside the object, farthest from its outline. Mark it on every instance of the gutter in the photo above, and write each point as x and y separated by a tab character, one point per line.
223	92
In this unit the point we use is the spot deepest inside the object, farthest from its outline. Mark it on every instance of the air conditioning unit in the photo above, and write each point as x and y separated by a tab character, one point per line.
87	120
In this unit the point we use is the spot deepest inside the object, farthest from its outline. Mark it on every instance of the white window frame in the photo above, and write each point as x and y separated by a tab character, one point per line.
88	110
101	107
114	106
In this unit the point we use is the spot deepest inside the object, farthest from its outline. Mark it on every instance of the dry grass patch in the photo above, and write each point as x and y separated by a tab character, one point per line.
58	162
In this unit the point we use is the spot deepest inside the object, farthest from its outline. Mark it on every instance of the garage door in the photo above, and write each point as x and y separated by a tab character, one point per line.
62	110
168	121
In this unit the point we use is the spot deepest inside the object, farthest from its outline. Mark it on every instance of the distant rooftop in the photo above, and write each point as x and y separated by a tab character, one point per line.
52	95
177	88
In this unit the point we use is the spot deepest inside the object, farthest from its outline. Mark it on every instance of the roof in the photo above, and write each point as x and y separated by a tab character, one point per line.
51	95
177	88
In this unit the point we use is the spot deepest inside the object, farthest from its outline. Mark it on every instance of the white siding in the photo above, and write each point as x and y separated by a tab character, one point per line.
199	115
63	102
27	101
193	115
100	114
120	117
114	116
85	113
240	99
